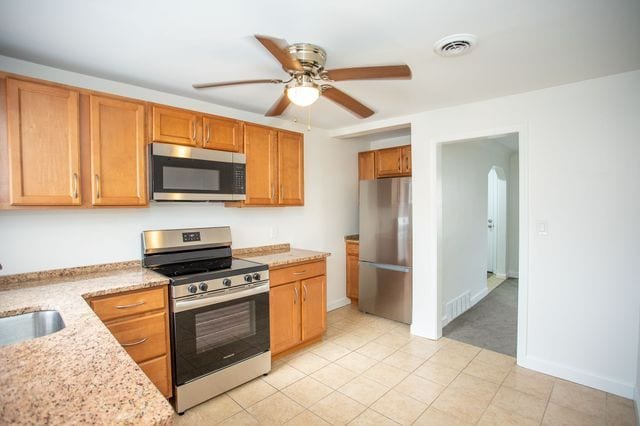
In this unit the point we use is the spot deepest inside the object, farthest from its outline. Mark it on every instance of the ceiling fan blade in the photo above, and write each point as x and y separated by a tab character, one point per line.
370	73
278	48
278	108
341	98
235	83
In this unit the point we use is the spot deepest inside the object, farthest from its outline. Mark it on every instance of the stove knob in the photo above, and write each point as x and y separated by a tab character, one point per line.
192	288
226	282
203	286
248	278
256	276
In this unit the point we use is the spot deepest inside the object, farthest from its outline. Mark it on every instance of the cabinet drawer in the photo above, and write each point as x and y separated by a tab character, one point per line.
353	248
122	305
297	272
142	337
156	370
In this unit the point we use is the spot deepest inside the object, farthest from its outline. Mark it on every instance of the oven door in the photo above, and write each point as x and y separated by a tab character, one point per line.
181	173
213	331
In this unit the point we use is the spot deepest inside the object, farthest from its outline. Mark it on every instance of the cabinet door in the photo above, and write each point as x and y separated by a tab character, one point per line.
222	133
260	147
117	152
389	162
314	307
352	277
290	169
366	165
284	315
175	126
406	160
44	146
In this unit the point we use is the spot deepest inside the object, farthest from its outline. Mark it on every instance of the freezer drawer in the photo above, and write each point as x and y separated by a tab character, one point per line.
385	290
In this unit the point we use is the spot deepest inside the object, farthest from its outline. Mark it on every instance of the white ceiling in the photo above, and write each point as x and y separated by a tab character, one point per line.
168	45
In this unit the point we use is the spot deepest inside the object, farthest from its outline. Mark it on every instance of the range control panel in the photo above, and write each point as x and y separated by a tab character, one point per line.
190	236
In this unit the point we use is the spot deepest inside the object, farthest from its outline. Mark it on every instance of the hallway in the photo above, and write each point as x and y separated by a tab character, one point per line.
491	323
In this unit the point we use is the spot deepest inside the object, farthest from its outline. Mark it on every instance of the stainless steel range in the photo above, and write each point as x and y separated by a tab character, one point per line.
219	311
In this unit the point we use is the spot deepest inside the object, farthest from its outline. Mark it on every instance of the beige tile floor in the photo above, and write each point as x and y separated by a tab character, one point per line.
372	371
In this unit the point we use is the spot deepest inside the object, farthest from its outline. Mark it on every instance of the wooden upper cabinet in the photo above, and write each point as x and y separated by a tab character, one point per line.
314	307
366	165
290	169
260	147
222	133
388	162
406	160
44	145
117	152
284	313
177	126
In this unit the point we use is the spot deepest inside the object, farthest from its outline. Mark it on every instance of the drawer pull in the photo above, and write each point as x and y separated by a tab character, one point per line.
304	292
300	273
126	345
133	305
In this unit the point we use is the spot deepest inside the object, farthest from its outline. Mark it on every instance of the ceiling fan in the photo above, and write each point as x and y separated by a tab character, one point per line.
308	80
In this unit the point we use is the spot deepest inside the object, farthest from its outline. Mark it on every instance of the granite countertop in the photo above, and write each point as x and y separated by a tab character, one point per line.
279	255
353	237
80	374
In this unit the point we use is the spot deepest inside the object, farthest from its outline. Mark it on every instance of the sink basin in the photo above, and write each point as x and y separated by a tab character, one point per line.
22	327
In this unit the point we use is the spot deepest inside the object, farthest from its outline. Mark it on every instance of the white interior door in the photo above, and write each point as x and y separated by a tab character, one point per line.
492	207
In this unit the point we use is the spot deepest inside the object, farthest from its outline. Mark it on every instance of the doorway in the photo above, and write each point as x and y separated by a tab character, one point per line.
479	238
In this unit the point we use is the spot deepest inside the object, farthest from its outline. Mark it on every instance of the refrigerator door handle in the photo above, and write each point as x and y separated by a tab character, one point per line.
397	268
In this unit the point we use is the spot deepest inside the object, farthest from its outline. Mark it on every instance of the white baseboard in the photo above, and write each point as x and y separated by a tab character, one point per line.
338	303
512	274
445	321
501	275
625	390
478	297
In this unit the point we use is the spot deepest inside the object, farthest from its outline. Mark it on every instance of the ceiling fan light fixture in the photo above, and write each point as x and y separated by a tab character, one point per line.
303	92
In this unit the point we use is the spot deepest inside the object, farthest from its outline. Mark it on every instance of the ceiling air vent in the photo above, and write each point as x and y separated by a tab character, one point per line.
455	45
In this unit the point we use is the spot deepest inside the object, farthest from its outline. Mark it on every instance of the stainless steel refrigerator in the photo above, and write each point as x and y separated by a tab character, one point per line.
385	248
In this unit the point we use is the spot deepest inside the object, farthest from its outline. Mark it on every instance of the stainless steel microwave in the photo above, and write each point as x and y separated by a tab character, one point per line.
183	173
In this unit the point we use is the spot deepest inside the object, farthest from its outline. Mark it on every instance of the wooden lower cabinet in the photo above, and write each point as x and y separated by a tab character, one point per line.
353	274
314	307
284	314
297	304
139	320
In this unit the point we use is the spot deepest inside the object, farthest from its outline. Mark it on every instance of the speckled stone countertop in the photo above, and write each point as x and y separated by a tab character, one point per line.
81	374
279	255
353	237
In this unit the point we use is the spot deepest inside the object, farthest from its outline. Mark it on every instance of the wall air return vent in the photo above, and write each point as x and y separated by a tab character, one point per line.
455	45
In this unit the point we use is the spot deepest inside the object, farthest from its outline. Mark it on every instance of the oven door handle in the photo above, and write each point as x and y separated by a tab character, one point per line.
213	299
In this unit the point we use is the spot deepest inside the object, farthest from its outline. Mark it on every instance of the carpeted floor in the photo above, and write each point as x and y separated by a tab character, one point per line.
492	322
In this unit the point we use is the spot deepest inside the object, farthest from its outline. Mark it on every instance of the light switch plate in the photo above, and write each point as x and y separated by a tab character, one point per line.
542	227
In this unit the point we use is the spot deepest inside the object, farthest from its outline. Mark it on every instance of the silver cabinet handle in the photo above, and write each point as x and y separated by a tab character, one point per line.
193	131
75	185
399	168
97	186
295	295
300	272
304	292
126	345
133	305
208	134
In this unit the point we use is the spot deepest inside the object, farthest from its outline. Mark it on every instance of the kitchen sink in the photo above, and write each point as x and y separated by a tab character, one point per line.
18	328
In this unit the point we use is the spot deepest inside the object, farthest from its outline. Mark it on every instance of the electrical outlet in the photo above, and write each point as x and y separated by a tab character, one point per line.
273	232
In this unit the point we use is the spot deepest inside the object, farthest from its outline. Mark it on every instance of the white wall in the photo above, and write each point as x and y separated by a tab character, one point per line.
512	217
579	171
465	168
636	396
390	142
46	239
